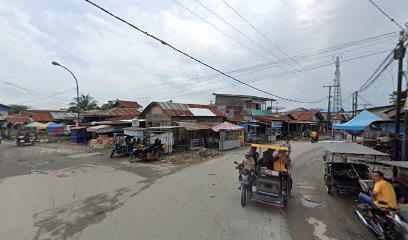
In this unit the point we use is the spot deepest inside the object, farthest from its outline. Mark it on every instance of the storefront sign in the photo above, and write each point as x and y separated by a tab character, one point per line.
276	124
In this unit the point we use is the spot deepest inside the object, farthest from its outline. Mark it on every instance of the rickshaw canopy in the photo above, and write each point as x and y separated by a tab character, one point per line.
337	147
274	147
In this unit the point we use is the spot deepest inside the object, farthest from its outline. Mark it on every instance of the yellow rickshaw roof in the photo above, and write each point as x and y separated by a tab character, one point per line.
275	147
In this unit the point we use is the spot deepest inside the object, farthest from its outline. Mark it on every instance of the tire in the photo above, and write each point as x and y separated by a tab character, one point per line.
112	153
243	196
328	189
159	156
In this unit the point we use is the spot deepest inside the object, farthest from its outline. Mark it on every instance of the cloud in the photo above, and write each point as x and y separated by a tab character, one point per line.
112	60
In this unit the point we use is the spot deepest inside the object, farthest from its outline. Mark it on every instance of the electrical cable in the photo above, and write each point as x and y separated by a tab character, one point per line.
193	58
386	15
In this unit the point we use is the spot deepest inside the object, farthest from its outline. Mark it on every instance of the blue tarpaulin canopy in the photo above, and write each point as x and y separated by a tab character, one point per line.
52	125
358	123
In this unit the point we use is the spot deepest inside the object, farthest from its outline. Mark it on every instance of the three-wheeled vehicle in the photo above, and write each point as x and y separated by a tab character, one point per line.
24	138
345	164
268	186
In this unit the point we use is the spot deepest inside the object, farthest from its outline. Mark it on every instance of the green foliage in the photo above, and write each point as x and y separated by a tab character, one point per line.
19	108
86	103
109	105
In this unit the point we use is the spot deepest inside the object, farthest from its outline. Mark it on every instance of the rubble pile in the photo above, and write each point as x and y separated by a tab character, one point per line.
191	156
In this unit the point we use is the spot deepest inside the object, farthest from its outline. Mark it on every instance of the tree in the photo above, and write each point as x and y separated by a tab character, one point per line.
111	104
393	96
18	108
86	103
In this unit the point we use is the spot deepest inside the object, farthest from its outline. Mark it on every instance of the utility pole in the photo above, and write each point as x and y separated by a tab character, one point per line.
399	54
354	107
328	107
337	99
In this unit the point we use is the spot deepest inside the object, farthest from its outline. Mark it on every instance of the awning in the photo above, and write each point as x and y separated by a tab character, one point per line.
358	123
250	124
33	125
100	129
52	125
134	132
192	126
227	126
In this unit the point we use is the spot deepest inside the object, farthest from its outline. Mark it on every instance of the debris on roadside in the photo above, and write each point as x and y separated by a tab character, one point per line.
191	156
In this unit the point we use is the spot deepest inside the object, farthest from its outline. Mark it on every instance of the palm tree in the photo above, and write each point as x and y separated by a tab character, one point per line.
86	103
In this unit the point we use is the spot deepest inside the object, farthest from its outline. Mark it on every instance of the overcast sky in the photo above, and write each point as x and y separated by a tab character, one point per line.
112	60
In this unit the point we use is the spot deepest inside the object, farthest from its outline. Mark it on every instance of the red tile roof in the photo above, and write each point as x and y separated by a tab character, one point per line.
269	119
42	117
127	104
19	118
303	116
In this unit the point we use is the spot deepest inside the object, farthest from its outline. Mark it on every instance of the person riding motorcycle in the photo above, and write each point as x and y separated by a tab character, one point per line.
383	192
247	163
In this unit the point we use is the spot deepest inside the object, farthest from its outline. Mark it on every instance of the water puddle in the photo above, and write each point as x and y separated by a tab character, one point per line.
310	203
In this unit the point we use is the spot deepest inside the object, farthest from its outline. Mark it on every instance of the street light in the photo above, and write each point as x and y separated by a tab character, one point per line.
77	87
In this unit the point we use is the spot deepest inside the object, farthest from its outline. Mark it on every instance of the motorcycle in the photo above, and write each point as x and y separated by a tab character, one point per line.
245	180
154	152
122	148
387	224
24	140
314	139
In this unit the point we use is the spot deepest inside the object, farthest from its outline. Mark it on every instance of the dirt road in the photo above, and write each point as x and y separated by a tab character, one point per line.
200	202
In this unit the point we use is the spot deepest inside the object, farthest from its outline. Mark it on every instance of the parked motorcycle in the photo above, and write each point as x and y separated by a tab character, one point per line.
122	148
387	224
154	152
24	140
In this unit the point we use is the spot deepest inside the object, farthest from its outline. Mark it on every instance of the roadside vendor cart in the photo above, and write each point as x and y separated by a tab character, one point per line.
346	163
229	135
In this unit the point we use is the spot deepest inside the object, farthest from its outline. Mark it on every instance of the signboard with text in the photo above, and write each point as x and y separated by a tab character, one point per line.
276	124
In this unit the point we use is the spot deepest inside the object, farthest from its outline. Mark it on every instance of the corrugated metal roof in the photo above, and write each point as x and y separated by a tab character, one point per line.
128	104
192	126
42	117
19	119
202	112
303	116
63	115
184	110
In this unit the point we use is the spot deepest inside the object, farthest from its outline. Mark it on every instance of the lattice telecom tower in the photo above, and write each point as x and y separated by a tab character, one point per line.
337	104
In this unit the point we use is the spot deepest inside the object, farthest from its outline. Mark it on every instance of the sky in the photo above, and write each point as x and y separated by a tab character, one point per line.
112	60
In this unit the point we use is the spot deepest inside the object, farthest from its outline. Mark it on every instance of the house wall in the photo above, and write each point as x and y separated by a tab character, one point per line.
238	106
4	109
155	117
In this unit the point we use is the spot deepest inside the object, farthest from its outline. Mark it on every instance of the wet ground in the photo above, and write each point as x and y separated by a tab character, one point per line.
59	191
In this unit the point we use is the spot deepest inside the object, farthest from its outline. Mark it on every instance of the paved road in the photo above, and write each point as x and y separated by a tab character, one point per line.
118	201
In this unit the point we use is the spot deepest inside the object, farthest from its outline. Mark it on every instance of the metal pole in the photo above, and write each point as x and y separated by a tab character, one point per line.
328	108
77	90
398	54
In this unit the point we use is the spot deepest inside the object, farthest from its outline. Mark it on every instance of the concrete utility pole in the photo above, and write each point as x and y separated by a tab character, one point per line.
399	54
328	107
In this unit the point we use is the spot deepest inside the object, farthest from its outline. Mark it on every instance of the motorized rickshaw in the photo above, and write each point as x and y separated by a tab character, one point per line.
345	164
268	186
25	137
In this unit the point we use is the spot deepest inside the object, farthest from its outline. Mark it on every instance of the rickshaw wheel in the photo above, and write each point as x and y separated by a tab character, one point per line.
243	196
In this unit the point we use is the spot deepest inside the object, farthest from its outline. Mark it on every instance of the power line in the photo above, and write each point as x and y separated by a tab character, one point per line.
218	29
386	15
38	99
32	92
259	32
191	57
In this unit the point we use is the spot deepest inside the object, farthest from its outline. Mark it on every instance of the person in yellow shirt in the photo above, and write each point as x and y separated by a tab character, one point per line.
383	192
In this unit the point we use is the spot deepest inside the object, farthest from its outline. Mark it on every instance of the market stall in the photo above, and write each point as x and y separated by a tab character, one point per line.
78	135
55	128
229	135
100	136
